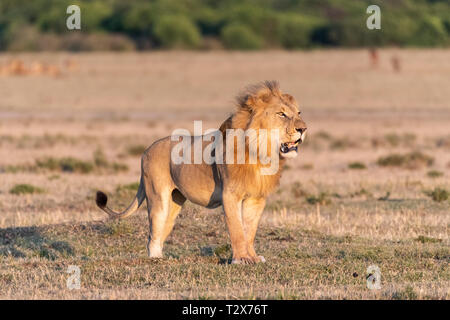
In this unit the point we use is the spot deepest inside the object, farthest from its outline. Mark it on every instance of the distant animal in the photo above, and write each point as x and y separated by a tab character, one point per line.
240	188
374	59
37	68
395	61
17	67
13	67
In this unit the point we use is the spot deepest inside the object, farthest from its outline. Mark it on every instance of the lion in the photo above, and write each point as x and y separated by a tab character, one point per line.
240	188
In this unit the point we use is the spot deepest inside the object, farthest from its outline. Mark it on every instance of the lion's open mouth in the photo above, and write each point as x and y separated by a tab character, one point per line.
287	147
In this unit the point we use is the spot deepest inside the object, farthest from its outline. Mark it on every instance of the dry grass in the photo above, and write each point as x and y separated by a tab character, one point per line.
192	80
326	222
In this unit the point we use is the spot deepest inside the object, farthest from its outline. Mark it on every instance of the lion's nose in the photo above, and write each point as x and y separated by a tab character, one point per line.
301	130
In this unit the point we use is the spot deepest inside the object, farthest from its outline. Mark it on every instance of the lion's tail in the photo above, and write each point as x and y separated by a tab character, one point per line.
102	199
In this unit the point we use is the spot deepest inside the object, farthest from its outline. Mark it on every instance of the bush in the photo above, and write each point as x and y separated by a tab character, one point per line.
395	140
424	239
137	20
430	32
357	165
67	164
294	31
209	21
240	37
438	194
128	187
25	189
322	198
136	150
435	174
176	31
412	160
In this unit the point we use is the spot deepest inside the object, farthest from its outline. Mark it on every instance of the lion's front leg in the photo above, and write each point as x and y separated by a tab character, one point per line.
252	210
232	206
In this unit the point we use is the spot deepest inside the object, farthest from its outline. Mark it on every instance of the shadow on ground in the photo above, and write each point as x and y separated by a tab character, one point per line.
24	242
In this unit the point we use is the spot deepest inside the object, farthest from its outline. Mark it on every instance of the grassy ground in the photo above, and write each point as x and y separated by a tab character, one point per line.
370	186
301	263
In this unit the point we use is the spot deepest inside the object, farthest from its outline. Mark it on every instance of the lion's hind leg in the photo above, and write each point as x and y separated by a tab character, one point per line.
175	204
163	210
158	211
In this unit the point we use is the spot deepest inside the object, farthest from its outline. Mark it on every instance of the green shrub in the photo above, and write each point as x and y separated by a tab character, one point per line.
209	21
349	32
118	167
435	174
222	251
342	144
322	198
412	160
128	187
430	32
25	189
424	239
395	140
137	20
136	150
176	31
240	37
294	31
67	164
357	165
438	194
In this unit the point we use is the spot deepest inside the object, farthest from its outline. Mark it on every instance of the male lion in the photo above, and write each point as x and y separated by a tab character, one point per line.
240	188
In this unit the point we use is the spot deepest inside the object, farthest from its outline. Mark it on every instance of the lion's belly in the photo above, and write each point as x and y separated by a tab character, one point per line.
197	184
205	197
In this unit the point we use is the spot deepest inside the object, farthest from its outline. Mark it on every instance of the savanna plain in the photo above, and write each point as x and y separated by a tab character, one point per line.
370	185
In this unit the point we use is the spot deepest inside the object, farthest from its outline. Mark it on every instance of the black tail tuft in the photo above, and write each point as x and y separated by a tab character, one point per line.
101	199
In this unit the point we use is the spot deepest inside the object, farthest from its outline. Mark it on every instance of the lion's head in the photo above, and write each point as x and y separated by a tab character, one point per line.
264	106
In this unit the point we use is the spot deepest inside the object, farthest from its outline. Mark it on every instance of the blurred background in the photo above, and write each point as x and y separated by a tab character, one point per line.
230	24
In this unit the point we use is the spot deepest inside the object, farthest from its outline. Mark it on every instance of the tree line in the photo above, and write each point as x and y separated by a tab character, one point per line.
214	24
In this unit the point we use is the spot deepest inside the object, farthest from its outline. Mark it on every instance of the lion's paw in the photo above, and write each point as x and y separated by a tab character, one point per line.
243	260
248	260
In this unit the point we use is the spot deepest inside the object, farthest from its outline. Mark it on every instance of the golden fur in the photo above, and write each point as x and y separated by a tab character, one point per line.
240	188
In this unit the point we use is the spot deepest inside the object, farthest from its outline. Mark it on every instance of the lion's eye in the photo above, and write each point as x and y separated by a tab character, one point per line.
299	113
282	114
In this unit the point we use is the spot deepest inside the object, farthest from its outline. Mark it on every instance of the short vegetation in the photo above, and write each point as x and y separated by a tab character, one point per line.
412	160
357	165
99	163
19	189
438	194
